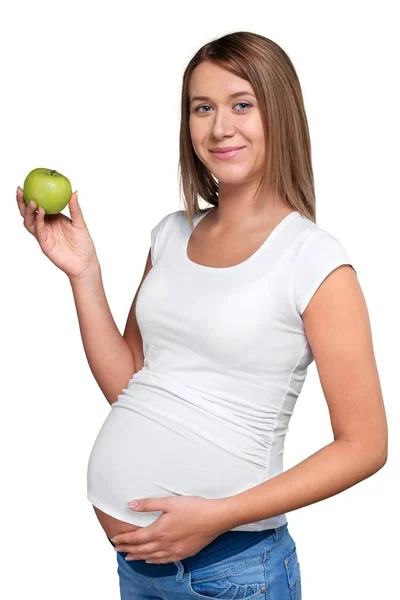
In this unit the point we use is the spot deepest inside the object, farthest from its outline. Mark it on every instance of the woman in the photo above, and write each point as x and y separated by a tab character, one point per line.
234	304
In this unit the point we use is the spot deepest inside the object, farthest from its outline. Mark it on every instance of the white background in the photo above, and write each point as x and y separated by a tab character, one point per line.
92	89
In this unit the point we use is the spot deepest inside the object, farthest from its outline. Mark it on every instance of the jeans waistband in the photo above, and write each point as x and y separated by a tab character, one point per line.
225	545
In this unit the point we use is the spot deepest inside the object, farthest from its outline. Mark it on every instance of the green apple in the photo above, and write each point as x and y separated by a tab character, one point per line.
48	189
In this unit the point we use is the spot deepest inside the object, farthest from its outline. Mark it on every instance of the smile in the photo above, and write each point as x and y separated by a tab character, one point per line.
226	155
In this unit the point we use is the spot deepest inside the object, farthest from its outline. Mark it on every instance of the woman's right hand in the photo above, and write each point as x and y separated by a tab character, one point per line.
66	242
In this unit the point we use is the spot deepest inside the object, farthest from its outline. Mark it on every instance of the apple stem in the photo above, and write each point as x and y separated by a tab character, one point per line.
52	172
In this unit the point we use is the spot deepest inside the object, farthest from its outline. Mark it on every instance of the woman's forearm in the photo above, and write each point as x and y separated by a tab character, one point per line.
333	469
109	356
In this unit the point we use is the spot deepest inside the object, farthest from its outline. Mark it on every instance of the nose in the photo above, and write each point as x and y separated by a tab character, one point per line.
222	125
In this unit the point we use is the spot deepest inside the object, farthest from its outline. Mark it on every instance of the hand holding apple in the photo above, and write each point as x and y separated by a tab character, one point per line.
48	189
66	242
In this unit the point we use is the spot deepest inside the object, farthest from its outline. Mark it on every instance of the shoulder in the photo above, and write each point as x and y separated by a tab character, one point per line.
161	230
177	218
168	218
167	221
317	254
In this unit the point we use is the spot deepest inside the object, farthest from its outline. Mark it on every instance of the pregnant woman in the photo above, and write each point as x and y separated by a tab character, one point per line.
235	302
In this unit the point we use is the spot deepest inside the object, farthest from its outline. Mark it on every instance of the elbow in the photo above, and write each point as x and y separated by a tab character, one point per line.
378	459
382	459
370	457
382	450
373	450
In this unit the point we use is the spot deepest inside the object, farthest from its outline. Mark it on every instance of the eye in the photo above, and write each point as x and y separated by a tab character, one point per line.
197	109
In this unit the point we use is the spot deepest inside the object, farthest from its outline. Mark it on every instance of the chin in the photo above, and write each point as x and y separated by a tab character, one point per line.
231	178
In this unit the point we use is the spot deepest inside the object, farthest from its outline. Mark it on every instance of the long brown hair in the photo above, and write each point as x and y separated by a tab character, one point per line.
271	73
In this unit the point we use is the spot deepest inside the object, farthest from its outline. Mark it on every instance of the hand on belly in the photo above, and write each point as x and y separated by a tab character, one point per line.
113	526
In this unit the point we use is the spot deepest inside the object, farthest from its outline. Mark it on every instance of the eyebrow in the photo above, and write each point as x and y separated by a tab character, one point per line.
234	95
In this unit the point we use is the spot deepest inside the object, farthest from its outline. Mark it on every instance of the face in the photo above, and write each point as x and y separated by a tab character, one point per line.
222	120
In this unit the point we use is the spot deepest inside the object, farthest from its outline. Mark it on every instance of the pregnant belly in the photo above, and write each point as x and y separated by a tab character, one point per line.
111	525
155	447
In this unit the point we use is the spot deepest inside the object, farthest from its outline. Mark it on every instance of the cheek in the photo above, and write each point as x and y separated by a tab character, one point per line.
259	146
255	132
198	132
195	134
199	143
197	148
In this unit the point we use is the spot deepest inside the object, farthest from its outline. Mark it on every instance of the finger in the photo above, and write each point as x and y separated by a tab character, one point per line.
40	230
29	218
140	552
20	201
136	540
159	561
153	558
75	211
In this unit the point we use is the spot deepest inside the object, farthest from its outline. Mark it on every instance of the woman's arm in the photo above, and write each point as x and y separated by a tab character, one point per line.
109	355
337	326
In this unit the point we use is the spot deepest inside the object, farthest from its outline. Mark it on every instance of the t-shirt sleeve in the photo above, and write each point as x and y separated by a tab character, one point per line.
153	237
156	237
318	256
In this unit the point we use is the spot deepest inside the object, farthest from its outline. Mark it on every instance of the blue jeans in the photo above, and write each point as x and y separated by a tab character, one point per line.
236	565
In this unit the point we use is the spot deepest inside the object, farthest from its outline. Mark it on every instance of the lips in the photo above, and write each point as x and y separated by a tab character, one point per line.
227	154
226	149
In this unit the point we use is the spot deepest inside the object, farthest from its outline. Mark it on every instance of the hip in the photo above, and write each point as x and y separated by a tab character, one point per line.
236	565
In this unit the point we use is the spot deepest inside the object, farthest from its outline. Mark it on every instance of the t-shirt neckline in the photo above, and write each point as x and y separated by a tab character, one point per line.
277	229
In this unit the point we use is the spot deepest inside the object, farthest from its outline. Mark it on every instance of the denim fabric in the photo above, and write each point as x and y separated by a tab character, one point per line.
236	565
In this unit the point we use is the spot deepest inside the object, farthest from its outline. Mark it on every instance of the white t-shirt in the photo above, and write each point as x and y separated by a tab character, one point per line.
225	358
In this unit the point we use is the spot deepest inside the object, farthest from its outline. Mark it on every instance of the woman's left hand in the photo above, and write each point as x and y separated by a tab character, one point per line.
188	524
